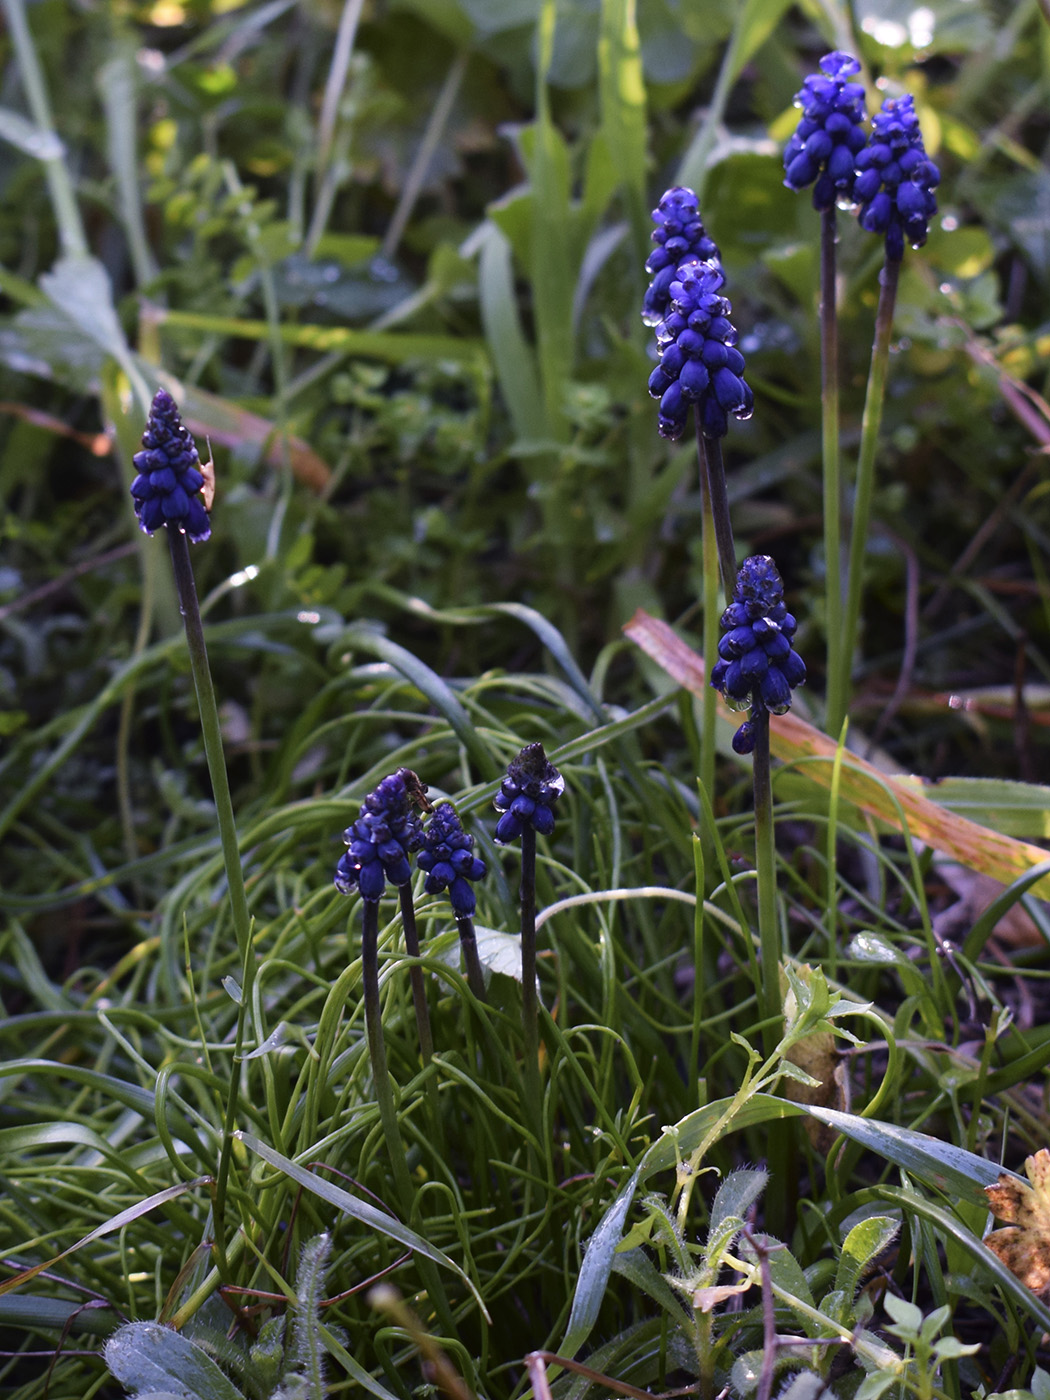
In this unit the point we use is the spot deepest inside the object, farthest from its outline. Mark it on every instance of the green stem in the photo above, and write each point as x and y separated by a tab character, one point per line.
422	1011
709	703
212	734
469	943
869	439
385	1099
529	1002
837	681
377	1054
766	867
709	451
419	990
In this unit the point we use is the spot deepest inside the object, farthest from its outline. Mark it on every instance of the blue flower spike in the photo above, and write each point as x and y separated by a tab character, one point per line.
896	179
824	149
699	361
679	234
527	795
758	667
386	833
167	489
449	860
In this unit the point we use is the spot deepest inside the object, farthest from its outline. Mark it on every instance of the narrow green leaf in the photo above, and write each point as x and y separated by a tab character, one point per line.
429	684
621	89
954	1229
359	1210
31	140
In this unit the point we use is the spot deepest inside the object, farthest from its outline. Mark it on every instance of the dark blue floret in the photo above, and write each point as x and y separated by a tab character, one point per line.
896	179
824	148
527	795
699	361
679	234
449	860
757	666
167	488
382	839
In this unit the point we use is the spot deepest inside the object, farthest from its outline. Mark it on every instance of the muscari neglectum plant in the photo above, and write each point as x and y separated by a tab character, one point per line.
450	864
758	668
167	492
892	179
699	367
823	152
526	799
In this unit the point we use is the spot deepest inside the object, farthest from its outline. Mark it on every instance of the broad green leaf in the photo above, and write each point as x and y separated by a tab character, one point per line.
595	1270
511	353
144	1355
861	1247
949	1168
737	1193
80	288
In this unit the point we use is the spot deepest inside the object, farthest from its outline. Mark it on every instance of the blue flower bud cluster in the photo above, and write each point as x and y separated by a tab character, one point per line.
896	179
830	134
679	234
699	362
380	842
527	795
449	860
758	666
166	490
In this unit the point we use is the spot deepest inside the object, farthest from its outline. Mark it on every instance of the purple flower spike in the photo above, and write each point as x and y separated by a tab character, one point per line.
824	149
167	489
699	361
679	234
757	665
896	179
527	795
380	842
449	860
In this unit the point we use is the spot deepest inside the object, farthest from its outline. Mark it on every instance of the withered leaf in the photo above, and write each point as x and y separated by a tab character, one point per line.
1024	1246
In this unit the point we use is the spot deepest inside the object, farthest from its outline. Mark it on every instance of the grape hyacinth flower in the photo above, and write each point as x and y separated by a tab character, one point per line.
699	361
830	135
527	795
758	666
526	799
679	234
896	179
380	842
449	860
167	488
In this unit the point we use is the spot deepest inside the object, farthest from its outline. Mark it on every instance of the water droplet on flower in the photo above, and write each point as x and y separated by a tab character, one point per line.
743	414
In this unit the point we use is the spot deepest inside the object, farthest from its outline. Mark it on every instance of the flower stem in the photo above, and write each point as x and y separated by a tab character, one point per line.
869	439
837	681
419	991
212	734
385	1098
422	1012
529	1003
469	943
709	451
765	865
709	703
